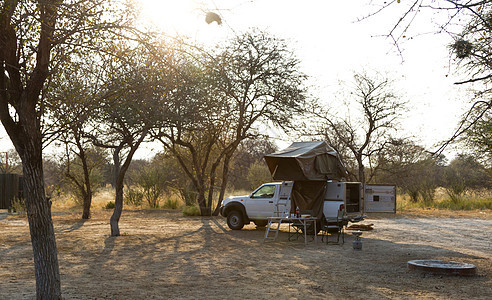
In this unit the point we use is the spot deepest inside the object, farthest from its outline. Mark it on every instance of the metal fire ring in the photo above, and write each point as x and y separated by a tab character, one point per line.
442	267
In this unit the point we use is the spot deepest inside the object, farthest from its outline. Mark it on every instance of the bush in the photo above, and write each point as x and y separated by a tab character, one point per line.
464	174
171	203
109	205
191	211
133	197
152	181
188	194
18	205
152	194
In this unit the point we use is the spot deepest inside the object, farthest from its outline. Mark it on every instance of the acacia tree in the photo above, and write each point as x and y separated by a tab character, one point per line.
190	125
10	162
126	112
260	79
463	174
413	169
34	36
220	101
250	152
471	47
479	138
72	99
82	169
367	134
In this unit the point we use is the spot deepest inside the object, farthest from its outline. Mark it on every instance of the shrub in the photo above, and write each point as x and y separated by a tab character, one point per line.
109	205
133	197
18	205
191	211
188	194
171	203
152	181
152	194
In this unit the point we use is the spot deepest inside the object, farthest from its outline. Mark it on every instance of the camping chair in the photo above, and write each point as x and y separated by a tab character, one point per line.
298	227
332	226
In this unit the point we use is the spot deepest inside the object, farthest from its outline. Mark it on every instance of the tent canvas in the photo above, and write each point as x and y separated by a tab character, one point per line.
309	165
308	195
306	161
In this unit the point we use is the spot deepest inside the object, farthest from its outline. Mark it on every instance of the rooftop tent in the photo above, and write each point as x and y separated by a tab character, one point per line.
306	161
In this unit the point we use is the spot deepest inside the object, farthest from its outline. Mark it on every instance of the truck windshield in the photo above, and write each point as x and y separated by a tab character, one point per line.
266	191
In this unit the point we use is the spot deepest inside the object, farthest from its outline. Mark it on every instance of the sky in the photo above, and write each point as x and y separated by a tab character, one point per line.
331	45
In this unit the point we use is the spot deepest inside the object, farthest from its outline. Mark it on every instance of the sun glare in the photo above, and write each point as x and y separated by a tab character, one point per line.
183	17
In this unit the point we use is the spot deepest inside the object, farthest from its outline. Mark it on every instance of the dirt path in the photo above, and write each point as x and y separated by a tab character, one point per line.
163	255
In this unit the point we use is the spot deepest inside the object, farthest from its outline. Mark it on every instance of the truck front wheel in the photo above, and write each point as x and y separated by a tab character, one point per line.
235	220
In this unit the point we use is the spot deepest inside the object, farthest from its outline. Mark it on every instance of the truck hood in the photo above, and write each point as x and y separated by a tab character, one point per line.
234	198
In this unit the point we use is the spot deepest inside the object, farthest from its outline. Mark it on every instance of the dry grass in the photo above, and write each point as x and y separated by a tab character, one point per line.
472	200
66	202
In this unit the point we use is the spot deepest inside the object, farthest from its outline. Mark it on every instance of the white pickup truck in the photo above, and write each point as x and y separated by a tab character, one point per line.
261	204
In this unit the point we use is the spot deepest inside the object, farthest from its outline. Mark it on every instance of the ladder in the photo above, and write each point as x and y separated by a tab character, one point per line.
281	211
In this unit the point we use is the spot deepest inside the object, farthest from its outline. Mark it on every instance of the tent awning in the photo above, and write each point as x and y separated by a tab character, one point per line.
306	161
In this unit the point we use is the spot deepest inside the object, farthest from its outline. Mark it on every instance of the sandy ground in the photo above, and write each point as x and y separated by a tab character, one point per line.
162	255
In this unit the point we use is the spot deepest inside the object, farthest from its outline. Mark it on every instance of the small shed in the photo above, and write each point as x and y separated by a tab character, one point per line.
380	198
10	188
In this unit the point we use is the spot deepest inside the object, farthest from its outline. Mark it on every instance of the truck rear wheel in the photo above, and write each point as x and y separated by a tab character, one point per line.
235	220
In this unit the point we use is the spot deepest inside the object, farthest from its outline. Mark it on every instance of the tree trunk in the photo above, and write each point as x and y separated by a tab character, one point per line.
362	173
362	179
86	185
118	208
120	171
86	212
118	199
223	186
204	209
25	132
41	228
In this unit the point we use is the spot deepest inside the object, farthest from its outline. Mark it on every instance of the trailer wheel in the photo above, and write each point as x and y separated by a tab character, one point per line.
235	220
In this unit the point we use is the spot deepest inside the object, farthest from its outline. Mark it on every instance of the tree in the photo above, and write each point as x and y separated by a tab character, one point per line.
10	162
258	173
463	174
250	152
21	82
126	113
478	138
411	168
364	134
472	47
71	102
82	168
54	178
253	79
34	36
153	178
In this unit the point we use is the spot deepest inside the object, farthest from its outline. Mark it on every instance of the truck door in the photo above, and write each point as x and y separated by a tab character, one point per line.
261	202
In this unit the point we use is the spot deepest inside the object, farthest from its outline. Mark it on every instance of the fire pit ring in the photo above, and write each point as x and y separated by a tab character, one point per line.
441	267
